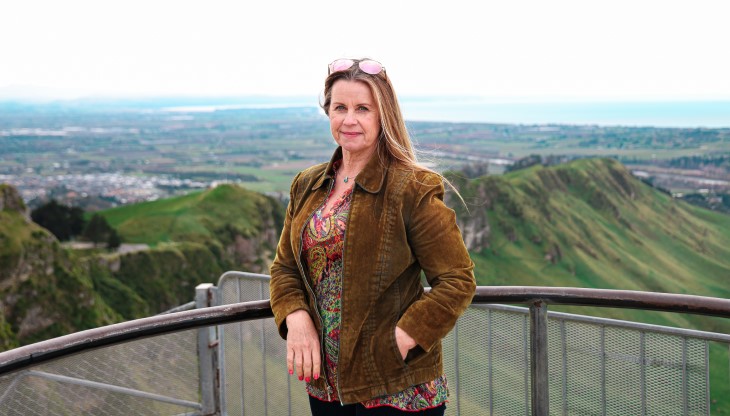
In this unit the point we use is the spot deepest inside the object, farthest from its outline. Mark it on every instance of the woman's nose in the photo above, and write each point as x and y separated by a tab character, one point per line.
350	118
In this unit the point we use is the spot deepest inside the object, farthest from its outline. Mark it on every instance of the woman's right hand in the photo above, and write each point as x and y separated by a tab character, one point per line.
302	346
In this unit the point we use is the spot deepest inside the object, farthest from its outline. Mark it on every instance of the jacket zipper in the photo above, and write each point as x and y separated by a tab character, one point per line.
314	295
342	303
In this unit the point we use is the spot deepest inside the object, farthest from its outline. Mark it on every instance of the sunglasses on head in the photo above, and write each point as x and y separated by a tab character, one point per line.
367	66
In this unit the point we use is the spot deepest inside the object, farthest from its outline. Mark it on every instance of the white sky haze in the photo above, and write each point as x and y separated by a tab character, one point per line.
505	49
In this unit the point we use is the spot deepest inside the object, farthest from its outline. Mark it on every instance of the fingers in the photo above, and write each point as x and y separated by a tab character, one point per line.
316	362
299	364
304	360
289	359
307	366
302	346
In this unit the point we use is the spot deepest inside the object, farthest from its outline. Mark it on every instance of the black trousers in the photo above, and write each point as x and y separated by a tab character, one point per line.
320	408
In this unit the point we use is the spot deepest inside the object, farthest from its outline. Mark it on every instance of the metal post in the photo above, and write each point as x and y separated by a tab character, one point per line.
489	360
707	379
206	355
685	378
642	368
564	343
262	334
220	364
526	361
456	368
241	358
603	369
539	358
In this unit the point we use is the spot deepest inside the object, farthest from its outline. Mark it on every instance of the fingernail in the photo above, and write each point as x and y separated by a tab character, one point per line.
306	379
301	378
316	376
291	372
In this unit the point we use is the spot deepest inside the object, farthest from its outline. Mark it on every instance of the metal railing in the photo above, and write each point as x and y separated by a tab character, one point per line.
227	358
488	357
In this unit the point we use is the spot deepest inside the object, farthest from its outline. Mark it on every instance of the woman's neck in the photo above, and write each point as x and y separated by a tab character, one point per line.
353	163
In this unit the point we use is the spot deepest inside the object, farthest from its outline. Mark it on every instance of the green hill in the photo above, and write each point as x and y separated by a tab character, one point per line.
590	223
203	216
193	239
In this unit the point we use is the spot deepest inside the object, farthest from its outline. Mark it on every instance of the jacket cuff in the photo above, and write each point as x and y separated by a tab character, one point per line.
415	328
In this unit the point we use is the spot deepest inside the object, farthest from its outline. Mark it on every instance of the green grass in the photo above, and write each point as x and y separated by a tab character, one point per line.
198	216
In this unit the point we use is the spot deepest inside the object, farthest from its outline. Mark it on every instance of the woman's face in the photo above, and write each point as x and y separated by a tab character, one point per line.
354	117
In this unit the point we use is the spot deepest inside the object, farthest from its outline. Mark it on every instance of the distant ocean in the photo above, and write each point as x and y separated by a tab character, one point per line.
690	114
651	114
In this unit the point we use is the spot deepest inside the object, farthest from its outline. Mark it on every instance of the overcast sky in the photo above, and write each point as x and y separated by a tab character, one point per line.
549	49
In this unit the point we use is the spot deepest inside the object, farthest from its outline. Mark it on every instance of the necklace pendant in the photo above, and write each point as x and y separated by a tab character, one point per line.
347	178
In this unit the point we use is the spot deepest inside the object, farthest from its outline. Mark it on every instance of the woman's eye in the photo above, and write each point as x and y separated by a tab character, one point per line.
362	108
339	107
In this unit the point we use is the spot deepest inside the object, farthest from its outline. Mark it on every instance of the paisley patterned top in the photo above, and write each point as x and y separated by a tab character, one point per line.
322	247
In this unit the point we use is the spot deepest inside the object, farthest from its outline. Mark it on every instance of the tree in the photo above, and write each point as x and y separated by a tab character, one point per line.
98	231
114	241
63	221
76	221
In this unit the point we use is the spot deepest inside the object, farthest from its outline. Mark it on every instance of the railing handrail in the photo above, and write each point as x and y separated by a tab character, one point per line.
43	351
630	299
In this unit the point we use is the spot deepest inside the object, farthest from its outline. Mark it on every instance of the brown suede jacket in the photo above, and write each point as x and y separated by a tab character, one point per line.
398	226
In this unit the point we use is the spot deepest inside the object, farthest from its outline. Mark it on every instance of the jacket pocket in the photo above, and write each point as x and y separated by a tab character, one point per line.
414	354
386	354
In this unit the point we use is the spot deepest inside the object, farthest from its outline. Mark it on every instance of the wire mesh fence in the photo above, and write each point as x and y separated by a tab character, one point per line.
253	363
151	376
596	367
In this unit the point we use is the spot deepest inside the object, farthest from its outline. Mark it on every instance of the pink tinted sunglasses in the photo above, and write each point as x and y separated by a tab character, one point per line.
367	66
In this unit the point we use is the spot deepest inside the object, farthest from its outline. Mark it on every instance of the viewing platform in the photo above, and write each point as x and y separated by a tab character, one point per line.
222	355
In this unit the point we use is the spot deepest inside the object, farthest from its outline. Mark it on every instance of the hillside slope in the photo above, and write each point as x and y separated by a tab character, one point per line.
47	290
43	293
590	223
239	226
193	238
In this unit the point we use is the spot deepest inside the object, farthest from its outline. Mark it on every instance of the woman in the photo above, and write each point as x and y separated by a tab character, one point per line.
345	284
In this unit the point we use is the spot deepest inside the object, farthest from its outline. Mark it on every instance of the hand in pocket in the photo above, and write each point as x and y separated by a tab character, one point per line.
404	341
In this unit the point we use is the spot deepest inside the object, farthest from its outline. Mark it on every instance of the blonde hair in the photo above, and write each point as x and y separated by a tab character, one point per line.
394	142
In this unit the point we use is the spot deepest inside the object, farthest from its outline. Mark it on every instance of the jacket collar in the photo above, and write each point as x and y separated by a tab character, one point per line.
371	178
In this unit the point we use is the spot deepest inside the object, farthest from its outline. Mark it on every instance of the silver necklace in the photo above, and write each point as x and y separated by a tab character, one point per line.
345	180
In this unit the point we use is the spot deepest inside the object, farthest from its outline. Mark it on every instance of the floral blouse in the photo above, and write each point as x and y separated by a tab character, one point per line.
322	245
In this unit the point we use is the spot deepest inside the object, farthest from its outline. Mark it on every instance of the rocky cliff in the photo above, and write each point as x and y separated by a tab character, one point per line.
42	294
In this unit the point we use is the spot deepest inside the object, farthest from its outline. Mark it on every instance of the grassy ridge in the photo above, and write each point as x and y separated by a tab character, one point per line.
194	238
198	217
589	223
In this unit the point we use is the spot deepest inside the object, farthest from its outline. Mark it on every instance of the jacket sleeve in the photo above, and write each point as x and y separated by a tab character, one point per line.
286	287
438	246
